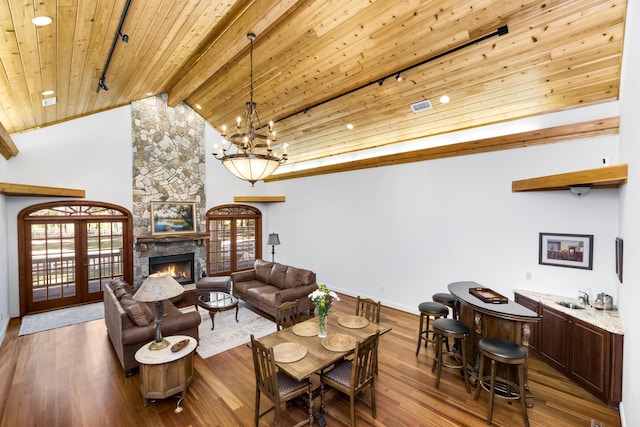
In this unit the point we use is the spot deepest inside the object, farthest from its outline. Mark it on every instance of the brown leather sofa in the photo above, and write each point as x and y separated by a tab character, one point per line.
130	324
270	284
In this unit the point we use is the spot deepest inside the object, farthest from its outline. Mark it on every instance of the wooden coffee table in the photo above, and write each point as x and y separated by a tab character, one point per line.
216	302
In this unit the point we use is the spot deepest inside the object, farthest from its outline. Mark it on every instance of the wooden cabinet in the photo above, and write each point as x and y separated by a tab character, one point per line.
589	355
554	337
164	373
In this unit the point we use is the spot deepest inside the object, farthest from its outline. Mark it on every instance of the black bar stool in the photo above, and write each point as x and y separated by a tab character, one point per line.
445	298
500	350
458	331
427	311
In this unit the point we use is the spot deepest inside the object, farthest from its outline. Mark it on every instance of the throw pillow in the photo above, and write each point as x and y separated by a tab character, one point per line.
138	312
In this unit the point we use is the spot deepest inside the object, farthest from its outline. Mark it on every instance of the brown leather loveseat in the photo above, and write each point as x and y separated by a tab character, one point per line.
130	324
270	284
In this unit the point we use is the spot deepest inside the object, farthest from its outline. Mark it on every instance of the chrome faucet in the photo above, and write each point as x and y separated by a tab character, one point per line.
583	297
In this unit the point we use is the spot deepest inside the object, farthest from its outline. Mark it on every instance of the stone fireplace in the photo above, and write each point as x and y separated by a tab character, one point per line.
168	166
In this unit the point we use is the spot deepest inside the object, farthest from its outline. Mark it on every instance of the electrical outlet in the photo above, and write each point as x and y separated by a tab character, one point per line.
381	289
527	275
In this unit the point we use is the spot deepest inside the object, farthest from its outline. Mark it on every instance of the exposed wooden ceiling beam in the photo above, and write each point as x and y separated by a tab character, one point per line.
7	148
589	129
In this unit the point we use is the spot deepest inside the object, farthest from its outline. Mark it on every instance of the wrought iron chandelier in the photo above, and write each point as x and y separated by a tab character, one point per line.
249	154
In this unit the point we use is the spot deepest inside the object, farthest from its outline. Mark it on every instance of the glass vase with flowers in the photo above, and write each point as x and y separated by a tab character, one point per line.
322	299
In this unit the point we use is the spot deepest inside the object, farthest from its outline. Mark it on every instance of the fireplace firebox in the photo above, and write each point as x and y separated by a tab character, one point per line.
179	266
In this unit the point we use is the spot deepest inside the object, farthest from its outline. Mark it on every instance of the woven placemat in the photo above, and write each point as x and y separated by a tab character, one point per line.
305	329
288	352
353	321
339	342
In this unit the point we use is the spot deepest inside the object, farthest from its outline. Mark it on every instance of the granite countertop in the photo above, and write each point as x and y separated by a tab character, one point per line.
609	320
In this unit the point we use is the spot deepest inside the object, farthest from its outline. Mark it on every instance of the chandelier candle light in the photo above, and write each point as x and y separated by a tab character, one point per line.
322	299
252	158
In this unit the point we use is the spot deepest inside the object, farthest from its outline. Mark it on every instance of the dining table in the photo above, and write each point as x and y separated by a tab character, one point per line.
304	353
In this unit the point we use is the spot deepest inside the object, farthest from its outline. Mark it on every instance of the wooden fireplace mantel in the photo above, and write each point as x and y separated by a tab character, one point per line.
199	238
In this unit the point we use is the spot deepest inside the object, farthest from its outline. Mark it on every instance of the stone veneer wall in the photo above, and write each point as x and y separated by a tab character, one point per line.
168	165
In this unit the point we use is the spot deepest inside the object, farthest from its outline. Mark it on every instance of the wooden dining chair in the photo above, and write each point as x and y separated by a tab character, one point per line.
368	308
287	315
276	385
352	376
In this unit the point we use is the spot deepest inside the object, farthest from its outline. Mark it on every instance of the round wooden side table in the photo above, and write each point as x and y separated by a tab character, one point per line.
164	373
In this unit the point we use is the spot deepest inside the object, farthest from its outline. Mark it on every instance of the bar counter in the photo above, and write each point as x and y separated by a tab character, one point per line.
509	320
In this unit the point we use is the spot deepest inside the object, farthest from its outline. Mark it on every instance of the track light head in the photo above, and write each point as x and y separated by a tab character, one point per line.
124	37
380	82
102	84
398	77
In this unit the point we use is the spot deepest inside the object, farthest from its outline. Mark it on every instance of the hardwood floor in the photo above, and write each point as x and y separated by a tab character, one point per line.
71	377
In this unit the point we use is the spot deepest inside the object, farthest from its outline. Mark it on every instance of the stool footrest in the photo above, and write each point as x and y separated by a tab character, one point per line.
503	388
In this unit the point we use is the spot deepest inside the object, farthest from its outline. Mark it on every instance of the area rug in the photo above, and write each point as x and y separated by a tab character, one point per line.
227	333
32	323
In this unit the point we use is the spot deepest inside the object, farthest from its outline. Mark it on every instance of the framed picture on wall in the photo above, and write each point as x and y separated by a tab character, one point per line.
566	250
173	217
619	258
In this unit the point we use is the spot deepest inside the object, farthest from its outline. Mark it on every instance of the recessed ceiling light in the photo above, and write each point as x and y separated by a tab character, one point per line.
444	99
48	92
199	107
41	21
349	126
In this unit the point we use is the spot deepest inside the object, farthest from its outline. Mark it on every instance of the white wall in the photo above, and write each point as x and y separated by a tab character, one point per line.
630	212
92	153
401	233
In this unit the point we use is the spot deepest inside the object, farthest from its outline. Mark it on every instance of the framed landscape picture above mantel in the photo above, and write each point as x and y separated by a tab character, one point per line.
173	217
566	250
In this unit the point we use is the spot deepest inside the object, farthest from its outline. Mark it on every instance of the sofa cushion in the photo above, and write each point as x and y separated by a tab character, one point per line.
298	277
121	291
263	270
137	311
117	285
264	294
278	273
241	288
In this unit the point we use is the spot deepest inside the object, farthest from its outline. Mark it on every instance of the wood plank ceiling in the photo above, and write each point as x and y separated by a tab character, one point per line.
308	56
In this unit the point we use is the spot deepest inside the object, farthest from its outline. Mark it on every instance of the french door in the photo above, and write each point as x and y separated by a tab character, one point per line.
70	251
234	239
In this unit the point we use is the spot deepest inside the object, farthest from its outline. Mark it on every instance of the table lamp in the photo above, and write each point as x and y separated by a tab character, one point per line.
157	288
273	240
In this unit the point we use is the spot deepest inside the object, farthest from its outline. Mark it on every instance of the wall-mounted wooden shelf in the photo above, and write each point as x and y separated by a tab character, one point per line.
603	177
259	199
37	190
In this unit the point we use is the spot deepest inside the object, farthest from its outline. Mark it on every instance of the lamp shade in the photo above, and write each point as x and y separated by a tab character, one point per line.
250	167
158	287
273	239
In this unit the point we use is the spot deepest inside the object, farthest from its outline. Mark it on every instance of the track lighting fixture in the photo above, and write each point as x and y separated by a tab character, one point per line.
501	31
116	36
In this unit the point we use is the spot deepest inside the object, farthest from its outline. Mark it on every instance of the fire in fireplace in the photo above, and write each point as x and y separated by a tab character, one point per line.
179	266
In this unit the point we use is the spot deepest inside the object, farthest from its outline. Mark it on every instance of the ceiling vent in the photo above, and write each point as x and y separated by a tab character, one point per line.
48	101
422	105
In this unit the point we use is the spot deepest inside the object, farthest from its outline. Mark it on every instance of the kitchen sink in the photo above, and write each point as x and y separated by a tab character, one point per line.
571	305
